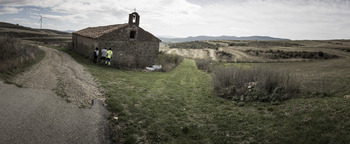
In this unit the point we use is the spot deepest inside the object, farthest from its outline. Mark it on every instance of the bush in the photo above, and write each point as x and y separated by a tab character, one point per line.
194	45
222	55
204	64
255	84
291	54
14	53
238	44
67	46
169	61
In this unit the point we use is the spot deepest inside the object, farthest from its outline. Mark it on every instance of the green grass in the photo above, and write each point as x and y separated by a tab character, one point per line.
179	107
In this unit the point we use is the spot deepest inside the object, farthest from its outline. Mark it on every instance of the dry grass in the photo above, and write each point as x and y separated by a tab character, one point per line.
204	65
14	53
169	61
194	45
257	83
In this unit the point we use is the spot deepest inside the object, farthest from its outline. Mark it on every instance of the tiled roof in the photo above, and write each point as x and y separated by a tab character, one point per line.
95	32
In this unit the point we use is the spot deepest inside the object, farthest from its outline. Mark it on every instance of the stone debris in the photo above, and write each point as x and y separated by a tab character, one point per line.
154	67
250	85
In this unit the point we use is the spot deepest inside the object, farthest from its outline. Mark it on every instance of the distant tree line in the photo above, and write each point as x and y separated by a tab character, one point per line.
344	49
223	55
264	44
280	54
194	45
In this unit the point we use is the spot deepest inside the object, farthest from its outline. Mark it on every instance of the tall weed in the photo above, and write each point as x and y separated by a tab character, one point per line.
14	53
254	84
204	65
169	61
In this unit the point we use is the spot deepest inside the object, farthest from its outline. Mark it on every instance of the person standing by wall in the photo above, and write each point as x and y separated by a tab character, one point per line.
103	54
95	55
109	56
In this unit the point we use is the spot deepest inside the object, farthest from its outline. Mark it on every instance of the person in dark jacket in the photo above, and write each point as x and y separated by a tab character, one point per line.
95	55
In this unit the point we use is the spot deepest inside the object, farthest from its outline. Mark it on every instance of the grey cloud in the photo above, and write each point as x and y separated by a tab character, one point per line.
9	10
210	2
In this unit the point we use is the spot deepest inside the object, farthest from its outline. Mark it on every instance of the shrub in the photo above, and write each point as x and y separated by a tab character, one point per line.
67	46
222	55
255	84
291	54
320	54
194	45
204	64
238	44
14	53
169	61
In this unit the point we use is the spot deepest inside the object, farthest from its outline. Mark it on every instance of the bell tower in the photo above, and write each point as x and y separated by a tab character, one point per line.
134	19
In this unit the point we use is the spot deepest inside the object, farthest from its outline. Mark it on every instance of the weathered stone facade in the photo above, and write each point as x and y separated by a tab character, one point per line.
131	45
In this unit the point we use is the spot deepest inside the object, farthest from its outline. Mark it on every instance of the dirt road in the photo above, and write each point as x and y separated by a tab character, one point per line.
62	74
36	114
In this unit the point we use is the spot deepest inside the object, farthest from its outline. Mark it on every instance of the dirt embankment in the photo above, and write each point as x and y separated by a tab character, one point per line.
61	73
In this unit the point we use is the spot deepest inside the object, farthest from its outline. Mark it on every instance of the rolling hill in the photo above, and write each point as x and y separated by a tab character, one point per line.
27	33
199	38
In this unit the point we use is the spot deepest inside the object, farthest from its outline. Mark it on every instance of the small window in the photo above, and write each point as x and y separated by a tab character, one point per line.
134	18
132	34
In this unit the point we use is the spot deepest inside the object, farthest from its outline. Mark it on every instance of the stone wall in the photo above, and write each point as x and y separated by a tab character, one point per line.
84	46
139	52
132	54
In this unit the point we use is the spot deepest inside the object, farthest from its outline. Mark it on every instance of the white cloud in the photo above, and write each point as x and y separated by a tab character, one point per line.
9	10
283	18
66	18
295	19
163	11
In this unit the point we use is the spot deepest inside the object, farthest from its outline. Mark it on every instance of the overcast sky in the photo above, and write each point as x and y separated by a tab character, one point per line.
293	19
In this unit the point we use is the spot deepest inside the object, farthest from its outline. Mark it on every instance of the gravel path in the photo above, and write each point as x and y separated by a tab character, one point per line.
62	74
35	114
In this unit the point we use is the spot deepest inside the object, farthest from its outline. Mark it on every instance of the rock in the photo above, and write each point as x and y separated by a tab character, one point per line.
242	98
347	97
251	85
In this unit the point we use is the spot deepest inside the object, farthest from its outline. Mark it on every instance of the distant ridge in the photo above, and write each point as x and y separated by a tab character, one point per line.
69	31
199	38
22	31
39	35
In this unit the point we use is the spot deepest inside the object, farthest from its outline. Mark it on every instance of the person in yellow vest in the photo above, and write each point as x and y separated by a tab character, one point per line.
109	57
